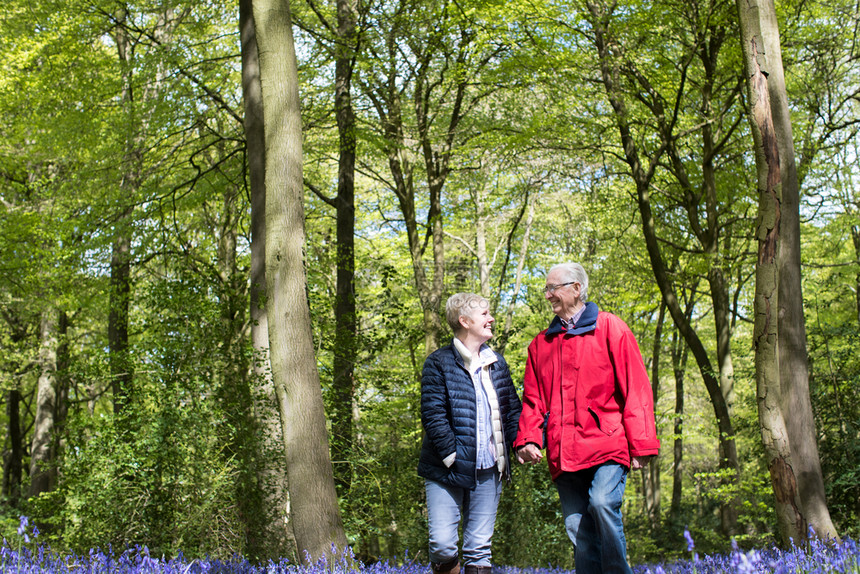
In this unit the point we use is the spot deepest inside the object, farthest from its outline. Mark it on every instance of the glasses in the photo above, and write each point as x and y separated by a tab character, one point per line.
552	288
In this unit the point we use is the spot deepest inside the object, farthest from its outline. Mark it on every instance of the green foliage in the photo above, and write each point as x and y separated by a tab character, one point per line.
830	294
158	475
529	525
161	490
177	470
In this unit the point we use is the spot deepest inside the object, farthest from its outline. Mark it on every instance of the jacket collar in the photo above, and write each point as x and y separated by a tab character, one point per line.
587	323
486	356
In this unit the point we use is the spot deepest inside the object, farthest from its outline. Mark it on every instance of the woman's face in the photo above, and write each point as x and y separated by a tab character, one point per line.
478	324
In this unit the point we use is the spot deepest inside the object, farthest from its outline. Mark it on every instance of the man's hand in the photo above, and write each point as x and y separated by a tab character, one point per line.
638	462
529	453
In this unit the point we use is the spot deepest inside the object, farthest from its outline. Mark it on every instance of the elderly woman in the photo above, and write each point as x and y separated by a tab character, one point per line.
470	411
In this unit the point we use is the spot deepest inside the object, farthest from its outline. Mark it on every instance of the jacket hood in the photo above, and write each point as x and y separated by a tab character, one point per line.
587	323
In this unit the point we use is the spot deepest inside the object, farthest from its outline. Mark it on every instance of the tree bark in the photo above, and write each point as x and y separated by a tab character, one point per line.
780	336
315	515
41	451
271	536
790	518
345	346
13	465
795	402
855	237
118	313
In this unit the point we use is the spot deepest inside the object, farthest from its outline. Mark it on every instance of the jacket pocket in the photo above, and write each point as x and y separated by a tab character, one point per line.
604	422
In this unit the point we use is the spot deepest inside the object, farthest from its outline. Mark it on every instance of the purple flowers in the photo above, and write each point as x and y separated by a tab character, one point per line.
818	557
689	539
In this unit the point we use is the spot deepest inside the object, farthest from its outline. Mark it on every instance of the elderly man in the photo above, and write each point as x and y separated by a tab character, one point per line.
588	401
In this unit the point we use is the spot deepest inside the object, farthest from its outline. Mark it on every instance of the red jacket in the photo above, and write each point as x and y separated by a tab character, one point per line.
592	381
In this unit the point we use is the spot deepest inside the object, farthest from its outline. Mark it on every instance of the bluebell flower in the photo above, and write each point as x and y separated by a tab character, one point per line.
22	528
689	537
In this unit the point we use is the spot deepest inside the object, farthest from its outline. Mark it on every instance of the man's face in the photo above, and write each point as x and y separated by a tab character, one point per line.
564	300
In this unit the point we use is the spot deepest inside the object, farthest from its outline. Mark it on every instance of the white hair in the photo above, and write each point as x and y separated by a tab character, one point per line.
462	305
574	272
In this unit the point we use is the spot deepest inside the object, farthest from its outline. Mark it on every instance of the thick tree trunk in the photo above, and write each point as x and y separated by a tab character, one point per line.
345	346
62	396
271	536
793	360
780	336
790	518
315	515
41	451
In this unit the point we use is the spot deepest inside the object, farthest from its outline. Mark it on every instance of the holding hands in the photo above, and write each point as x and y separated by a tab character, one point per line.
529	453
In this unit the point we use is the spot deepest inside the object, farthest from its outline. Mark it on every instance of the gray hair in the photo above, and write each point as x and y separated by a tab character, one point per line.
462	305
574	272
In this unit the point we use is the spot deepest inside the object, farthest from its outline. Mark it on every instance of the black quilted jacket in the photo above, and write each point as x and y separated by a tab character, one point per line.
448	414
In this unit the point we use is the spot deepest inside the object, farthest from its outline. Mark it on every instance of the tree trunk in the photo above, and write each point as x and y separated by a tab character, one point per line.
315	515
518	277
679	367
793	361
855	236
345	346
120	292
271	538
722	322
680	354
794	460
790	517
41	451
120	264
62	397
651	473
13	465
479	196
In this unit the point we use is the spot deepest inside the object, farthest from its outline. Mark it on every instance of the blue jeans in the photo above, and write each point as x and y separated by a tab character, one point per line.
591	504
478	506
